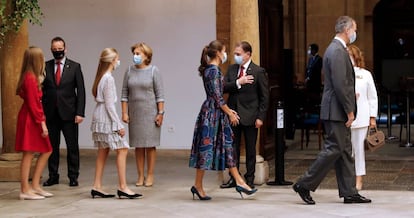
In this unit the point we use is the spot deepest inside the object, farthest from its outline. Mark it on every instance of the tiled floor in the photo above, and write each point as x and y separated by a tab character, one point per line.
389	183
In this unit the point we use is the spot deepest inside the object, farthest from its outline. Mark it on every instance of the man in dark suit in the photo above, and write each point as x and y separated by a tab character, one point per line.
338	110
247	85
64	107
313	75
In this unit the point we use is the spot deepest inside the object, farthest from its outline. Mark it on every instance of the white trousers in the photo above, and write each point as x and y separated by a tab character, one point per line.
358	136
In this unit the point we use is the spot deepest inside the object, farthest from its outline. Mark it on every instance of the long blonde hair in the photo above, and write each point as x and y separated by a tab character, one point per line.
33	62
108	55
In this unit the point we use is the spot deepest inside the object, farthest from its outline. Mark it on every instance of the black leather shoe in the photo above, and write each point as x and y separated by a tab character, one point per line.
51	181
73	182
303	193
357	198
230	184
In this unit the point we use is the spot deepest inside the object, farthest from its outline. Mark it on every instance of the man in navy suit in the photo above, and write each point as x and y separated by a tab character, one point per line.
247	85
313	75
64	107
338	111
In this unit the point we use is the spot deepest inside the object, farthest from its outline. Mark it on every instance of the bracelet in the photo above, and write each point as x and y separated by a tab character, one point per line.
161	112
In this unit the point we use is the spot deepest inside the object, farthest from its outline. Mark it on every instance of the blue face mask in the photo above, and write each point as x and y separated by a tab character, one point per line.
238	59
137	59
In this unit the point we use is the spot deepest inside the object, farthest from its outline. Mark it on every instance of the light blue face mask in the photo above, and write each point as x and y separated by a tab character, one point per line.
352	38
238	59
137	59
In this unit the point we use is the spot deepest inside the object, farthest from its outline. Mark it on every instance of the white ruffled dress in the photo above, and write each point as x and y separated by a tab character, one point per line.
105	121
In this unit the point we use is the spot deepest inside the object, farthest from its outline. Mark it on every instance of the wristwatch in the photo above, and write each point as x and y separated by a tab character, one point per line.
161	112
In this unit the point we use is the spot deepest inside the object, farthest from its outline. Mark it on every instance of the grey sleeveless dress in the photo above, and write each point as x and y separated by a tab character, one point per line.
143	89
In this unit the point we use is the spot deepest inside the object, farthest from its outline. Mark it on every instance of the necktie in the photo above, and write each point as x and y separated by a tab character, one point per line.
241	71
58	73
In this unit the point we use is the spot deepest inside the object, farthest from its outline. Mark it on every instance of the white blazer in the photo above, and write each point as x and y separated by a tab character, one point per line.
367	100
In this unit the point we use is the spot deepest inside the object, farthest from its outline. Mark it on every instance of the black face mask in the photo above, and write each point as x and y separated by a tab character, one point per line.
58	54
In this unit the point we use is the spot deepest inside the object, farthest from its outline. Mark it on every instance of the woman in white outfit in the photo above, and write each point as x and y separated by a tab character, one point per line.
108	133
367	109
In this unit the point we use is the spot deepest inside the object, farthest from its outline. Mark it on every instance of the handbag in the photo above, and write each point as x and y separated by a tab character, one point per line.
375	139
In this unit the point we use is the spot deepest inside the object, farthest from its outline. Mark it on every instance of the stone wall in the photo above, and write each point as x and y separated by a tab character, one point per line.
313	21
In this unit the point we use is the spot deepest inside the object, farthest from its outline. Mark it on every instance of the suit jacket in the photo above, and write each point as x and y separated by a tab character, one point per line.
251	100
338	97
313	74
67	99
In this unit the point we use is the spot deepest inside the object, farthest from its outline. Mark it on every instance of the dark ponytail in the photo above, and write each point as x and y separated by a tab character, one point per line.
203	61
209	52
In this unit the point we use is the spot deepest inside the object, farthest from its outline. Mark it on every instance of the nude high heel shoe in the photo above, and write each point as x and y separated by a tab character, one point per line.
26	196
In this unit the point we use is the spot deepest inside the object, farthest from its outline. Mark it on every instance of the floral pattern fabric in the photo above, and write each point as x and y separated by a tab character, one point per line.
213	138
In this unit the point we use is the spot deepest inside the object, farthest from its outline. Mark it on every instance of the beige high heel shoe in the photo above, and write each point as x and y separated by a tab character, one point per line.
149	182
140	183
43	193
30	196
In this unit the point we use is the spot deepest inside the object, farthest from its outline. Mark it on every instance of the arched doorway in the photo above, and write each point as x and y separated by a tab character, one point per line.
393	37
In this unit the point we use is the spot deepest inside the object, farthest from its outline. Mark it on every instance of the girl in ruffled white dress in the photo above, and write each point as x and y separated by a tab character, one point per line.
107	130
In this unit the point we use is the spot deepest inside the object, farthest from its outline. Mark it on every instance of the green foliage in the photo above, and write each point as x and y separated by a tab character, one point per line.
20	10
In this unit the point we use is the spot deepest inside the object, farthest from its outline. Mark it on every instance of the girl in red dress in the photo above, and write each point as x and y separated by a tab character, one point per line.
32	134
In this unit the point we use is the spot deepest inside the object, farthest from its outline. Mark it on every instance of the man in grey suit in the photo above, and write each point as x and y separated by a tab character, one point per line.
338	110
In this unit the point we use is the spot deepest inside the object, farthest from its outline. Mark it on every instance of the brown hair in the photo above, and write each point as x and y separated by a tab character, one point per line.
245	46
59	39
357	55
108	55
145	49
209	52
33	62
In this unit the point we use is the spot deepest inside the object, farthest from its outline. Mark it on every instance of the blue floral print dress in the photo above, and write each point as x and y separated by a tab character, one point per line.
213	138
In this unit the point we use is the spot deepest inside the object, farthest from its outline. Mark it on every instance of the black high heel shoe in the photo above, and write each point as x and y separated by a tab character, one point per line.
123	194
240	189
195	191
100	194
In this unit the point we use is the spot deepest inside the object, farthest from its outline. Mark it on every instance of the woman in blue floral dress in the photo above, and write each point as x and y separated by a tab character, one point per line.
213	138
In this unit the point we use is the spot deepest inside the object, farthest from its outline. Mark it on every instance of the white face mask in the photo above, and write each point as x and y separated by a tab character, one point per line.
224	58
118	63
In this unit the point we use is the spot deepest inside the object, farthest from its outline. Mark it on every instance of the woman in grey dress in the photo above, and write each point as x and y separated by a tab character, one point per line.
143	109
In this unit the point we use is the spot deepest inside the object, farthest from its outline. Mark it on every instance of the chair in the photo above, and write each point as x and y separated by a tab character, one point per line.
309	119
395	111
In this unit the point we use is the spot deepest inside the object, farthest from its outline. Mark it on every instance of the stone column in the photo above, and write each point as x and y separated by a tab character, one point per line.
244	26
11	57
